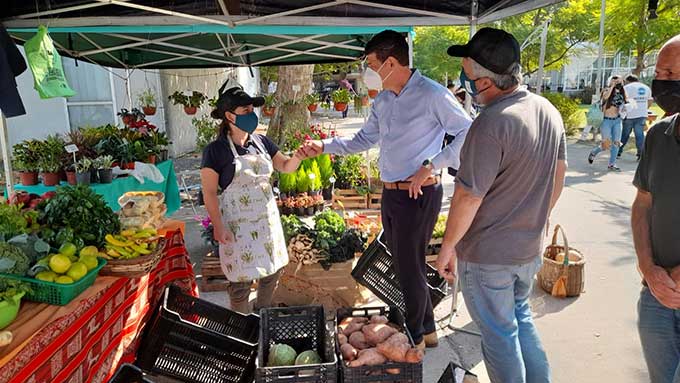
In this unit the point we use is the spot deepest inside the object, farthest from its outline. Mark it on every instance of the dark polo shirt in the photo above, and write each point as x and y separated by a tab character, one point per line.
659	174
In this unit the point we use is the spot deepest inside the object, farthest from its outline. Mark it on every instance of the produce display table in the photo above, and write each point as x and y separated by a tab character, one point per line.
87	339
111	192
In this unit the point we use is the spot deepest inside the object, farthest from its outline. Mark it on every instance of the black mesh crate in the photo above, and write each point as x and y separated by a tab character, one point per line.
388	372
303	328
375	271
128	373
196	341
453	372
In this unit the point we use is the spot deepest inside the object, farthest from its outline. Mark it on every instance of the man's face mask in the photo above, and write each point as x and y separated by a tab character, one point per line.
372	77
666	93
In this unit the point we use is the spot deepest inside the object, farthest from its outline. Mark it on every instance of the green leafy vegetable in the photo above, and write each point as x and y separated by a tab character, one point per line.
292	226
13	260
11	289
14	221
440	226
329	227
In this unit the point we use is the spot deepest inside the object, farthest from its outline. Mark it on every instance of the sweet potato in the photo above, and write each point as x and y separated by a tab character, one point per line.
393	371
368	357
377	333
342	339
352	324
395	347
379	319
349	353
358	340
414	356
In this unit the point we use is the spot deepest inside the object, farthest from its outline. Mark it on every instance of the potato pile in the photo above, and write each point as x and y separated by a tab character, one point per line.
374	341
142	210
301	250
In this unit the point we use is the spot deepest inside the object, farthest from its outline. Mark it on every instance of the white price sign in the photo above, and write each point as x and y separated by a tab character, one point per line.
296	88
71	148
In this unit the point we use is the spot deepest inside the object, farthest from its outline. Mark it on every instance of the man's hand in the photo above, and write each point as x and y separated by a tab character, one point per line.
662	286
675	276
223	235
417	181
446	262
312	148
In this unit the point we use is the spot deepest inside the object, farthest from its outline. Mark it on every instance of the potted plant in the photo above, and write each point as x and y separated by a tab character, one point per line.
71	175
190	103
314	179
50	160
312	101
327	176
147	99
103	165
287	184
160	141
26	157
373	93
269	107
83	171
125	155
341	98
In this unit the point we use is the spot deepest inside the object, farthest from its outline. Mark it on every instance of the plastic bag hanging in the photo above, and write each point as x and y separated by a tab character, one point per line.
46	66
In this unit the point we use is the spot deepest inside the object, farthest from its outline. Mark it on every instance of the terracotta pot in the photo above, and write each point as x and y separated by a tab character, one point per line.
365	101
190	110
127	120
149	110
71	178
29	178
50	179
312	108
151	159
340	106
129	166
373	93
269	111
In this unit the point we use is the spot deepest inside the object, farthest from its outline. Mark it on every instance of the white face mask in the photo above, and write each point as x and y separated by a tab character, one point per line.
372	79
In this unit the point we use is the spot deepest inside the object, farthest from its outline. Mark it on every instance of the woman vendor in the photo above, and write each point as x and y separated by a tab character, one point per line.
245	217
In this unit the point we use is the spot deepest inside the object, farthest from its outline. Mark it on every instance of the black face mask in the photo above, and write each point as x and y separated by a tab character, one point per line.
666	93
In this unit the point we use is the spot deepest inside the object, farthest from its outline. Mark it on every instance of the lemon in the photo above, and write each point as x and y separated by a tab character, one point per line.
89	260
59	263
77	271
64	280
68	249
47	276
89	251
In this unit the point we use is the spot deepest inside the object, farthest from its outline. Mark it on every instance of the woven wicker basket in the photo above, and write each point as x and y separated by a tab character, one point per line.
552	270
136	267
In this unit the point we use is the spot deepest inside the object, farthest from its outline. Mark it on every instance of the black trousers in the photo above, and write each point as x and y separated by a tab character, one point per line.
408	226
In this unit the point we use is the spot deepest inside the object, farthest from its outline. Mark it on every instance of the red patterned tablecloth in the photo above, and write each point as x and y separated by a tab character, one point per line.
86	340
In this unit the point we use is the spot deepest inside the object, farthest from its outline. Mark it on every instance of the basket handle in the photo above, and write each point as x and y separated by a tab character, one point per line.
559	229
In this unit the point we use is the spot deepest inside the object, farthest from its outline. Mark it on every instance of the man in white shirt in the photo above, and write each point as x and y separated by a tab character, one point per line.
636	113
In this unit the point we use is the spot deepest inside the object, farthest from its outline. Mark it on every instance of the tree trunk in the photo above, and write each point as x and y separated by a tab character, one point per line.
639	62
290	112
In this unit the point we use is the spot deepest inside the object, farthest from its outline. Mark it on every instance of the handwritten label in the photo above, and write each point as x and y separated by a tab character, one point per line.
296	88
71	148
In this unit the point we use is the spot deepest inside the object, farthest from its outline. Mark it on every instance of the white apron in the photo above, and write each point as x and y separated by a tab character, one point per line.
249	210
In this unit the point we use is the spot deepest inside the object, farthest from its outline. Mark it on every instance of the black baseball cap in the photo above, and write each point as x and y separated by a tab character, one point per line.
232	98
494	49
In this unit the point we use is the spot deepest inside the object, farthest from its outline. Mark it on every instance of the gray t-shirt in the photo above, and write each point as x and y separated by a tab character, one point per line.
509	158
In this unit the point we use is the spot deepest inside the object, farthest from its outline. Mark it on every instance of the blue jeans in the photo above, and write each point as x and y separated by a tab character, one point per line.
659	329
610	130
497	297
636	125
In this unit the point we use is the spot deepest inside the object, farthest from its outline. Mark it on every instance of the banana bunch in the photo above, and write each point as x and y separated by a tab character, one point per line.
131	243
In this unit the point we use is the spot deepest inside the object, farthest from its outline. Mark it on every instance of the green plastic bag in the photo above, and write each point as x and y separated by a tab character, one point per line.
45	63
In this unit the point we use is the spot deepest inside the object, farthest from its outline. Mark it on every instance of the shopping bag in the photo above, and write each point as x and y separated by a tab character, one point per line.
45	63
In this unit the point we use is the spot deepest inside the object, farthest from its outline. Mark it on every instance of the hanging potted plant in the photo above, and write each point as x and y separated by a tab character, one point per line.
26	157
341	98
147	99
269	107
129	117
312	102
50	160
190	103
84	171
103	164
373	93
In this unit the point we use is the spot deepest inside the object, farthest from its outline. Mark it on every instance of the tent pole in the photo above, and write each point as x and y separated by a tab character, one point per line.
4	141
541	58
600	52
473	30
410	49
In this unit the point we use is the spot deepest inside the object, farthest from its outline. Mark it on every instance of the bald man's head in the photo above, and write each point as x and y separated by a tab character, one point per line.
666	84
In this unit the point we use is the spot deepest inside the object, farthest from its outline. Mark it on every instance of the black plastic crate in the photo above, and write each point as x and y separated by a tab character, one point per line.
449	375
302	328
128	373
408	372
375	271
196	341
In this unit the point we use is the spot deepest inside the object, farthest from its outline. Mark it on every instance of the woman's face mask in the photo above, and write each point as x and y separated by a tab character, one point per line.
246	122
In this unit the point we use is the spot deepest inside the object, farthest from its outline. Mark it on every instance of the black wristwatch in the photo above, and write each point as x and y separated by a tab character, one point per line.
428	164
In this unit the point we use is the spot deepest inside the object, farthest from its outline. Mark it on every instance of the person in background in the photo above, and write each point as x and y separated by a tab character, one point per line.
407	121
655	220
245	217
640	97
613	102
345	84
512	171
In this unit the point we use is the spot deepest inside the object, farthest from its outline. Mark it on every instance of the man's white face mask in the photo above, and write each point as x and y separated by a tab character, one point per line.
372	78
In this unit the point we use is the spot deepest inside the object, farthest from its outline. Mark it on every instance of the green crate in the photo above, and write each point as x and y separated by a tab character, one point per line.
56	293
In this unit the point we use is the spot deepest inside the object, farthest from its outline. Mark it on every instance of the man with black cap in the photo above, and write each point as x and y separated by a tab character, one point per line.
512	171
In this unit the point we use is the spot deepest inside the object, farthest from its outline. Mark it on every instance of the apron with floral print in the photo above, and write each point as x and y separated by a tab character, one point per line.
249	211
